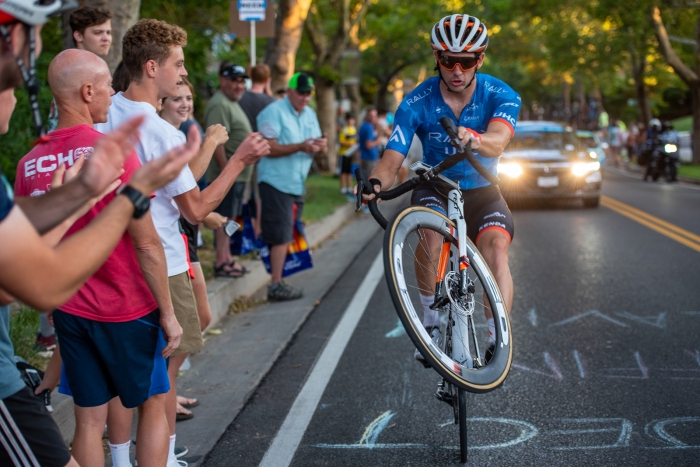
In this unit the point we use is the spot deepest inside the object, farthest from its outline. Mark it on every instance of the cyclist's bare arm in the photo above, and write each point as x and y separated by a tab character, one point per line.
492	143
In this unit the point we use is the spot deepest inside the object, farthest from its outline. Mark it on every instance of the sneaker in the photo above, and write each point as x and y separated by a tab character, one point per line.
434	332
45	344
180	451
489	353
283	291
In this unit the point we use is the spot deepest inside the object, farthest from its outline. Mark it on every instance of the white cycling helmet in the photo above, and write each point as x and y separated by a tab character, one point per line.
655	123
33	12
460	33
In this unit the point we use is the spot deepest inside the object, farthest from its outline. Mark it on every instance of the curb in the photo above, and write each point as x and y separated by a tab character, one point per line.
639	170
221	293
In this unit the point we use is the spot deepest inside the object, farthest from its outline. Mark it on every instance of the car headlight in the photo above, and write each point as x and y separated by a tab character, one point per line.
512	169
582	168
670	148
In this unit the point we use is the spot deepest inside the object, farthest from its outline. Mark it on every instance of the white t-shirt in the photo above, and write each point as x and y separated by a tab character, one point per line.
157	138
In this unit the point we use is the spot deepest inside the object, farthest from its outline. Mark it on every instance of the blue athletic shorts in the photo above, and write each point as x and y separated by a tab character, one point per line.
105	360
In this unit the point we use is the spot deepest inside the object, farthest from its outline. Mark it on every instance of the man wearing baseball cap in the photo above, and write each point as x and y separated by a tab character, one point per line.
223	108
292	129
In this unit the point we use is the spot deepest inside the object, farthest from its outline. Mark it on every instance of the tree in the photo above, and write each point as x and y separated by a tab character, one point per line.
691	76
125	13
282	49
328	31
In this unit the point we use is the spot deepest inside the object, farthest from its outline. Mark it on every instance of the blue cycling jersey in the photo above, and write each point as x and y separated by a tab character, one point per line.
420	114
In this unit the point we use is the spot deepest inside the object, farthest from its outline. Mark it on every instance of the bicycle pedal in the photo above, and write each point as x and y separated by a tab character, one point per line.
444	397
439	303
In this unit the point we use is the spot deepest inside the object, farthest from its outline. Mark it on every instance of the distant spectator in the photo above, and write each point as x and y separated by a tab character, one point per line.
292	128
120	78
369	140
223	108
615	138
281	93
92	31
255	99
348	147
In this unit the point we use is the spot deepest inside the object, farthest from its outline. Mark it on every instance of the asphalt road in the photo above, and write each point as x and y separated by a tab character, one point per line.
606	367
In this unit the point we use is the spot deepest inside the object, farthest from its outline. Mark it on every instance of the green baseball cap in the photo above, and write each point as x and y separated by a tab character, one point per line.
301	82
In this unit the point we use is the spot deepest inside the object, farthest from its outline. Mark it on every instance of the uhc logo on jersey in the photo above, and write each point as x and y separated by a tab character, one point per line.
505	117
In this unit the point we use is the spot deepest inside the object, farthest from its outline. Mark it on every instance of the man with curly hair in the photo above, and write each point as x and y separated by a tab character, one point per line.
153	55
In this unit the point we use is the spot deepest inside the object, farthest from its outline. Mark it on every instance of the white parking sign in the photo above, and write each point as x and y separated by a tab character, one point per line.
251	10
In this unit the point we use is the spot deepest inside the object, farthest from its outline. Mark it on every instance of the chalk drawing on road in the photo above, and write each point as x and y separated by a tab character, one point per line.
370	435
641	368
659	427
579	363
623	440
532	317
595	313
397	331
527	432
658	321
554	373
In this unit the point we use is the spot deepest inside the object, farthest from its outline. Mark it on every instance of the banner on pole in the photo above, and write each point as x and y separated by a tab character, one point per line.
251	10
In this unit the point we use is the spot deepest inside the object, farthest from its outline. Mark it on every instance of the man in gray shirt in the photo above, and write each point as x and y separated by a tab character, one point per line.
256	99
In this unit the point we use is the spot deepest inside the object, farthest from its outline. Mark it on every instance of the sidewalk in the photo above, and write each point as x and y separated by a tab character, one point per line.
225	373
640	170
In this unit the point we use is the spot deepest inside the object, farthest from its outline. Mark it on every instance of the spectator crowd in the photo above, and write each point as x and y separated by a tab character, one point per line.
102	229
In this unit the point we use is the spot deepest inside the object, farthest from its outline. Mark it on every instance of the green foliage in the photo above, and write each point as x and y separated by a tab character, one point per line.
690	171
24	324
18	140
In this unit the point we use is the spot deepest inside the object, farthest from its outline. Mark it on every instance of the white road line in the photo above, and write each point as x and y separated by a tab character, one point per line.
286	442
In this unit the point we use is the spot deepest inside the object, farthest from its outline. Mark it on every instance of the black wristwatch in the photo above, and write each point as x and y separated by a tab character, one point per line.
141	202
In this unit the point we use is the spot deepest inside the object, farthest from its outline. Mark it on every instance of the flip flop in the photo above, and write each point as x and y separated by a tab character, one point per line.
183	416
191	405
243	270
221	271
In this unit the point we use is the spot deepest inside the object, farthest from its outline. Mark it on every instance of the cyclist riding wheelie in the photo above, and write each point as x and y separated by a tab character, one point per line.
485	110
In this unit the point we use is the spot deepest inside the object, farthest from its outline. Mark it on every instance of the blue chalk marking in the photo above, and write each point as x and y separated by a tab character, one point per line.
590	313
659	427
622	441
551	363
369	437
640	366
527	432
656	321
397	331
533	317
580	365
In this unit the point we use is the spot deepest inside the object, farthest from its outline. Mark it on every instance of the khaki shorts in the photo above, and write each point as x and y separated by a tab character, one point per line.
185	307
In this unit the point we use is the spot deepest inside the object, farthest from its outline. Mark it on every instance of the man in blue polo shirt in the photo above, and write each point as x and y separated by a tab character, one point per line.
369	152
294	134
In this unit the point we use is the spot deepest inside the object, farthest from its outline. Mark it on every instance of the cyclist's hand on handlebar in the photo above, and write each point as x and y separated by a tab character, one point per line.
467	134
366	197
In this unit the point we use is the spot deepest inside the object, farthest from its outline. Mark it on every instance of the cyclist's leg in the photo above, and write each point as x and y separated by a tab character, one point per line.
491	228
427	252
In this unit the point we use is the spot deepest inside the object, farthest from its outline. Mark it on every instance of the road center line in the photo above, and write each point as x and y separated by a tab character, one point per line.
673	232
286	442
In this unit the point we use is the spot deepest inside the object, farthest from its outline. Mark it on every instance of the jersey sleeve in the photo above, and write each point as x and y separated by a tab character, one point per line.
269	125
507	108
406	122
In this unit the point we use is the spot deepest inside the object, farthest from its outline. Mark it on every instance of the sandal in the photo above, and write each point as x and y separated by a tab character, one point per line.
181	416
187	405
243	270
221	271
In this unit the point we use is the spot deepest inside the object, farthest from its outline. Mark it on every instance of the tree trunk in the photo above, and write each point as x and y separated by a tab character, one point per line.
353	92
282	49
566	97
325	109
383	95
695	135
581	99
125	13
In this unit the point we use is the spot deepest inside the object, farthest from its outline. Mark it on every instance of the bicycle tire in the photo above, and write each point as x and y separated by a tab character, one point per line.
413	221
462	402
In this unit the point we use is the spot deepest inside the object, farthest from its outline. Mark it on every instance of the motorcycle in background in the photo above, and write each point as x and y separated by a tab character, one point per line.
664	155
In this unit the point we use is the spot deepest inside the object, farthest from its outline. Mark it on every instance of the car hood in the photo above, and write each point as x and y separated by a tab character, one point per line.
537	155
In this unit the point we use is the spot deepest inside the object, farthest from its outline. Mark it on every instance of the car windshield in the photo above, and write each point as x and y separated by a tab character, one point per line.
527	140
588	141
